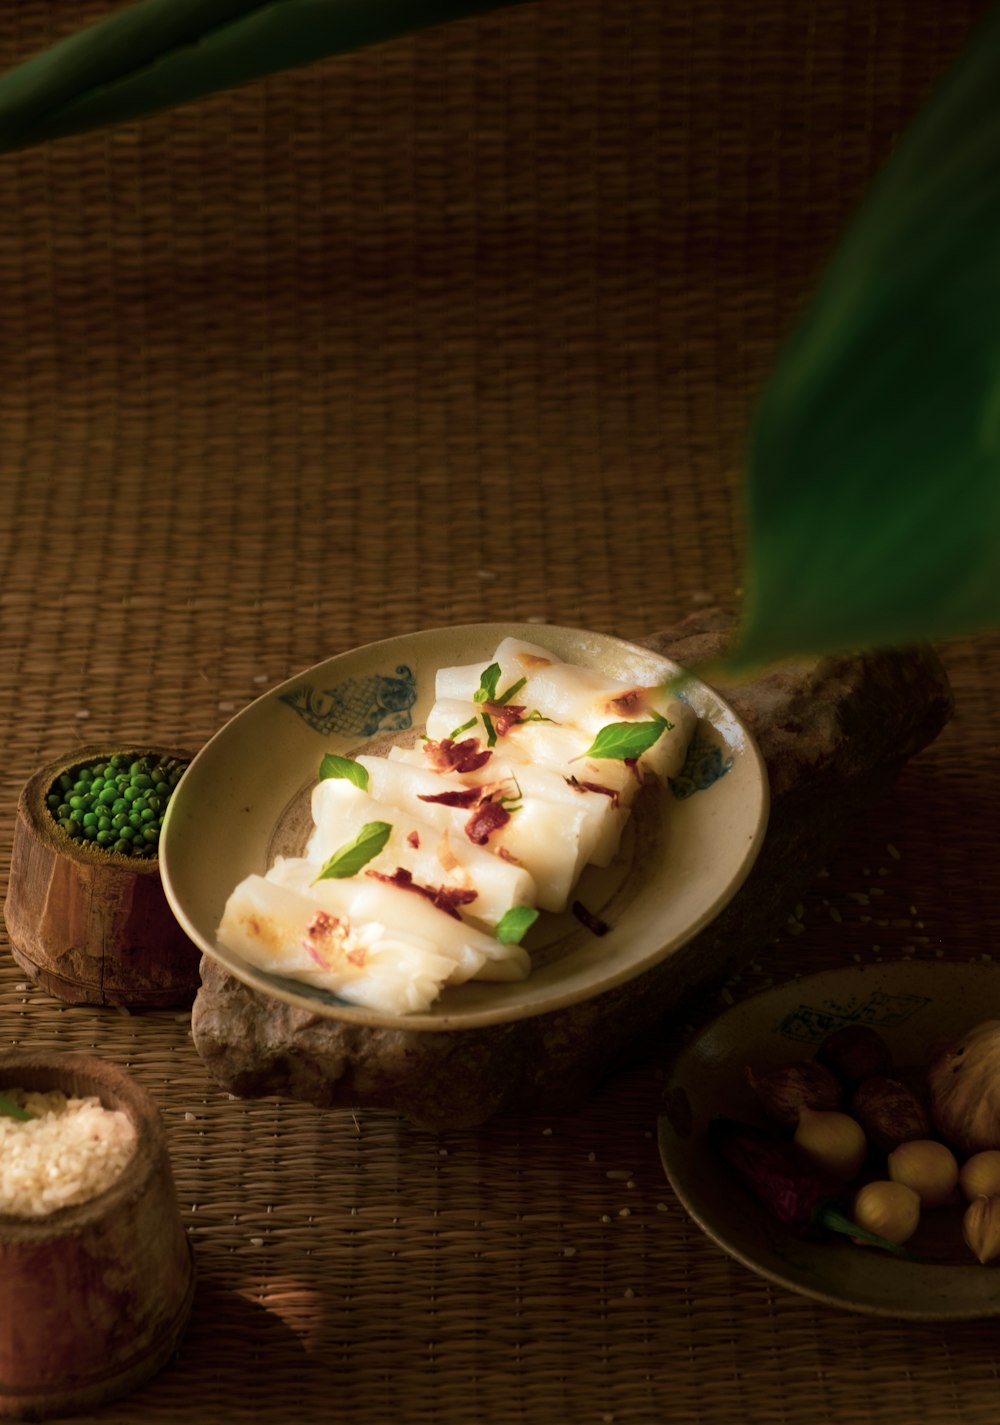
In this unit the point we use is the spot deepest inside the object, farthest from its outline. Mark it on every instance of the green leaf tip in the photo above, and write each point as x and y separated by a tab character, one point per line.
515	923
488	680
348	860
623	741
873	500
157	54
344	768
9	1109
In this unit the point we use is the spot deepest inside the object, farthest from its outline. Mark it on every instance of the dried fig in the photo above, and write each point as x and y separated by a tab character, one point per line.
855	1052
889	1112
785	1090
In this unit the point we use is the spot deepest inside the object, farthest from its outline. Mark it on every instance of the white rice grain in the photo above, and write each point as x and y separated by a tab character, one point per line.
70	1150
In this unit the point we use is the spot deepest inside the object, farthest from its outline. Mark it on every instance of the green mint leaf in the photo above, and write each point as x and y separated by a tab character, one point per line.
623	741
514	688
11	1110
515	923
491	732
344	767
487	690
349	859
464	728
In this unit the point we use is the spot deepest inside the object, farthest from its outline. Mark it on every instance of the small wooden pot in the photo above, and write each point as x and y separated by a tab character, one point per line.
93	1298
90	925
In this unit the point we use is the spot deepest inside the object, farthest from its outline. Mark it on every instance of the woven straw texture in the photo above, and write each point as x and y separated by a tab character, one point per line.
462	327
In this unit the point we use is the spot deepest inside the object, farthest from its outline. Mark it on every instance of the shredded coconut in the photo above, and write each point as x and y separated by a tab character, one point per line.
70	1150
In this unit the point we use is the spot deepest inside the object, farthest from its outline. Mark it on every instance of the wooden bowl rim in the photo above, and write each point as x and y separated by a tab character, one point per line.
33	807
116	1088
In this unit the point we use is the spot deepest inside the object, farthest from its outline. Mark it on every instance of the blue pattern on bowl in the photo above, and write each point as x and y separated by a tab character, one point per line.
357	707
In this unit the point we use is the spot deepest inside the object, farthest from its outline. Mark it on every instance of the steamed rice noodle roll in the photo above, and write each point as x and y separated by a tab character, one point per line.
285	932
546	838
578	697
433	855
604	817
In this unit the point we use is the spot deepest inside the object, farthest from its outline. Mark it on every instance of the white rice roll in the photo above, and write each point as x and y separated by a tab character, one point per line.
433	856
364	899
555	746
580	697
517	660
546	838
604	817
284	932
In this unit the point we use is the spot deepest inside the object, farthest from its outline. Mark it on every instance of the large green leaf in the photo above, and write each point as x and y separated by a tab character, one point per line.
874	465
160	53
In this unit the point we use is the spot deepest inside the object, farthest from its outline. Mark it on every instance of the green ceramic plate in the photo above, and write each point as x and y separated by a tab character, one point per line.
245	798
913	1006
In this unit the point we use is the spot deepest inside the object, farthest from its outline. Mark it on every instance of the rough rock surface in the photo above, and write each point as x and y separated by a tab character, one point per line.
834	734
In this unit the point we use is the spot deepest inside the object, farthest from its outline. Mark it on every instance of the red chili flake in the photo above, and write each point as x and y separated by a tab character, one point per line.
467	797
506	856
629	703
450	756
488	817
446	898
594	787
413	840
505	716
587	917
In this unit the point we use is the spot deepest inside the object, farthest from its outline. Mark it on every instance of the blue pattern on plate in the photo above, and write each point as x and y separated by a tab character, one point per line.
812	1025
703	765
358	707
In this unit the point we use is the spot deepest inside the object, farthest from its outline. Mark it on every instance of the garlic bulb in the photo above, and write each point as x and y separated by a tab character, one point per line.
964	1088
981	1228
980	1174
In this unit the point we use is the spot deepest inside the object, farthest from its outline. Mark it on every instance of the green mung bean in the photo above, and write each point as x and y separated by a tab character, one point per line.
116	803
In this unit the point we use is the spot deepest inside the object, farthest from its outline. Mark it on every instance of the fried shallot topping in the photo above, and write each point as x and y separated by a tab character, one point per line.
446	898
464	797
505	716
451	756
488	817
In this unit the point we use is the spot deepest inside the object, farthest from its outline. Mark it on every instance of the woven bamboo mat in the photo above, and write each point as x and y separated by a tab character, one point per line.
463	327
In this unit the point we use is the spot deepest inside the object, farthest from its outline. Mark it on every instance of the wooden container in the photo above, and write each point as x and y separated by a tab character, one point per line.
94	1298
89	925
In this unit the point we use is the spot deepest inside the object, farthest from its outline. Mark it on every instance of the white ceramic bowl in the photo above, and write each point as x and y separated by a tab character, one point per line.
245	798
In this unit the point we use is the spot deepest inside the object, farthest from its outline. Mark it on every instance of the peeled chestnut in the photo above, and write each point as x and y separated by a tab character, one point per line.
889	1112
790	1087
855	1052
